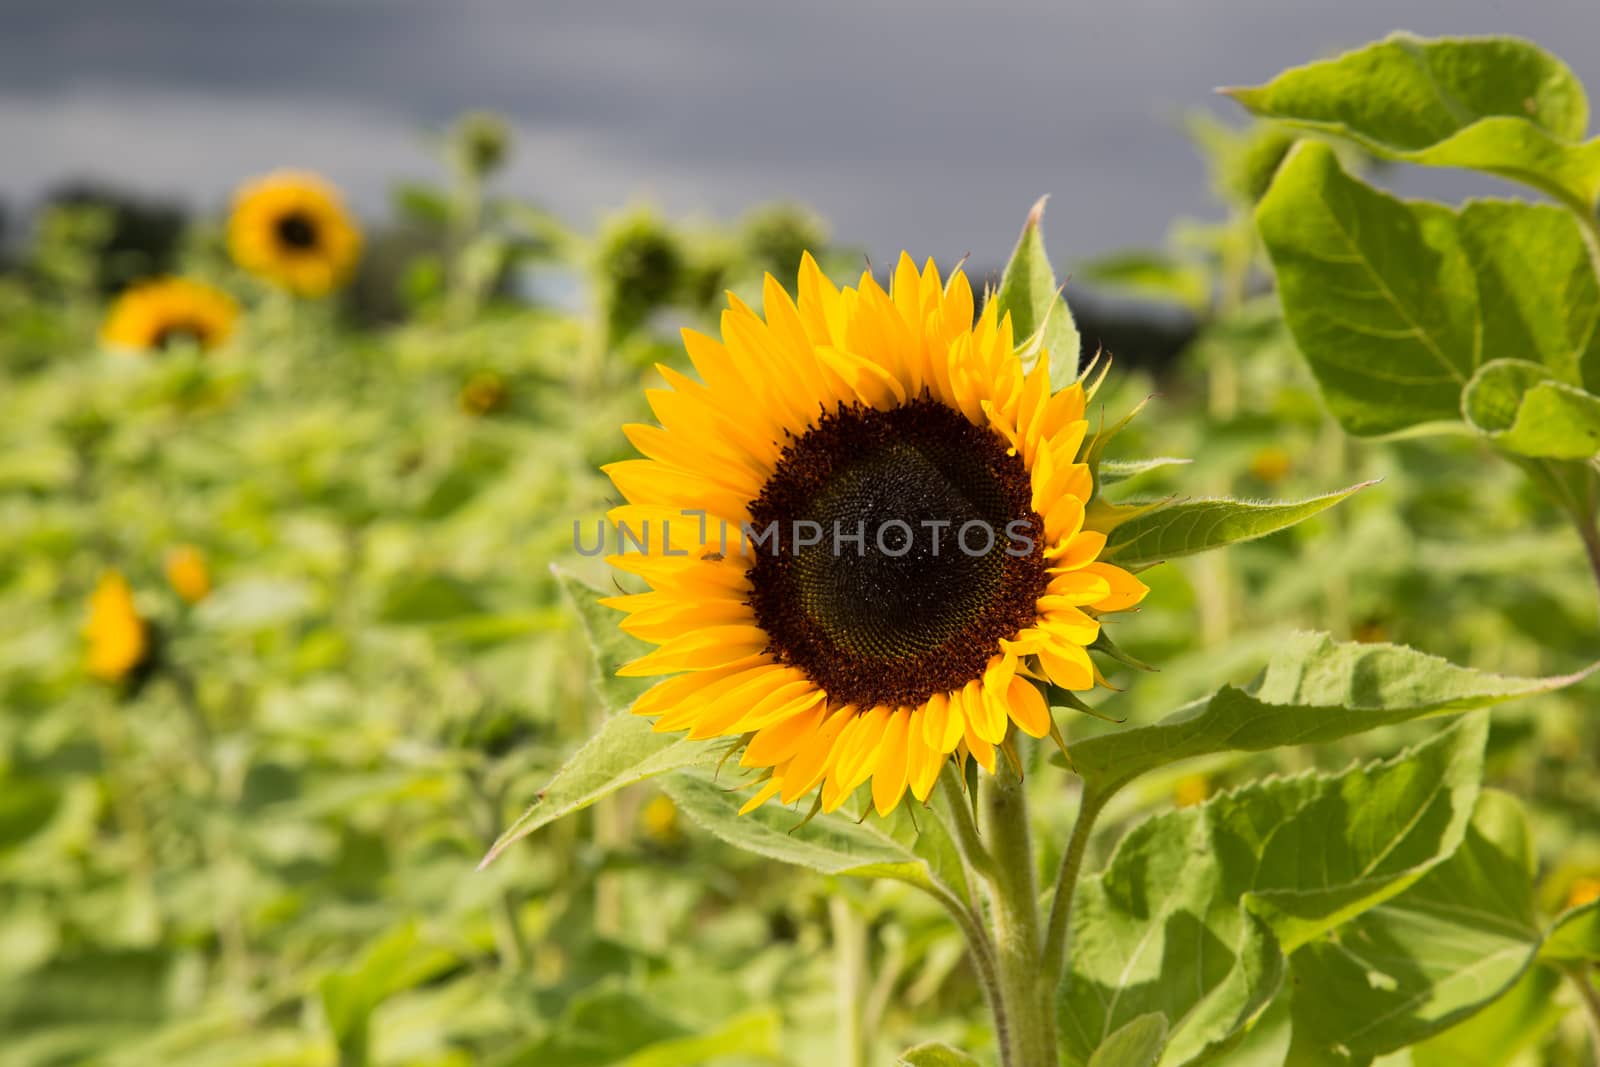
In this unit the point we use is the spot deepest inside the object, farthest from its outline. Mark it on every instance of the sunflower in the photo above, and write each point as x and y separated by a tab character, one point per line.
869	551
158	314
293	230
117	636
188	573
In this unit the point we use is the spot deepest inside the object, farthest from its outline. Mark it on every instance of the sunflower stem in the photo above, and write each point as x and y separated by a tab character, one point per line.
849	954
968	843
1059	928
1029	1039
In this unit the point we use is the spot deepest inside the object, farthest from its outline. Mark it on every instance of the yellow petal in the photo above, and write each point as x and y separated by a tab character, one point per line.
889	776
1028	708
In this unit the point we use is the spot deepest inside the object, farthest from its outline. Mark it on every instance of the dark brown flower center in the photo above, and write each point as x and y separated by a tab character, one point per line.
298	231
906	547
181	332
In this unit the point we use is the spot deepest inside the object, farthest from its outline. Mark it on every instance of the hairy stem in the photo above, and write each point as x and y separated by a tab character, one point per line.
1030	1002
850	963
968	843
1059	928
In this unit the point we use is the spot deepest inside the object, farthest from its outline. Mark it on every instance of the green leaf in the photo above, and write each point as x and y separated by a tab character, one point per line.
396	961
1575	938
624	752
1113	471
27	806
1414	965
1374	290
608	644
611	1027
830	844
428	599
1151	276
1039	315
1185	527
936	1054
1495	104
1496	1035
1522	408
1312	690
1188	916
1537	293
1137	1044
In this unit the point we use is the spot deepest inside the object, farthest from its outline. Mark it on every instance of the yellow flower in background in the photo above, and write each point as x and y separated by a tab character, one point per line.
292	229
1191	789
1272	464
118	638
863	410
188	574
660	819
155	315
1585	890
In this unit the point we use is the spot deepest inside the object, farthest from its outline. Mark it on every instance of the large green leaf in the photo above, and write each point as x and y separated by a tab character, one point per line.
1522	408
936	1054
1188	917
1537	293
1312	690
1495	104
625	750
1376	291
1498	1034
1184	527
1415	964
608	644
1039	314
831	844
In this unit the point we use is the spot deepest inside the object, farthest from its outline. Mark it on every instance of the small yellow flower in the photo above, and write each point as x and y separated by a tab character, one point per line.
1191	790
660	819
156	315
1585	890
483	394
1272	464
118	639
293	230
188	574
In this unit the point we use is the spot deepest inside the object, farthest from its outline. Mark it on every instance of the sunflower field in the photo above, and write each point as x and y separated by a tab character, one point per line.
459	639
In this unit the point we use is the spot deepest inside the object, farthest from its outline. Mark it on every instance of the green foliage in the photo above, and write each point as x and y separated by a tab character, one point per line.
1408	968
1193	914
934	1054
1039	314
1496	104
1137	1044
1184	527
1312	691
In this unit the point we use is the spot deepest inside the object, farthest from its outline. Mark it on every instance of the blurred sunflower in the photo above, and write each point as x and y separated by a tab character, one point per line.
159	314
292	229
876	414
118	638
187	573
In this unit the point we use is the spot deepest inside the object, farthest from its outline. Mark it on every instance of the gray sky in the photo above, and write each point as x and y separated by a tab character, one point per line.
931	126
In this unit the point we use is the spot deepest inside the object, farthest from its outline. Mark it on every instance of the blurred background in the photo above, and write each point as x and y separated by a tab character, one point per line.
282	650
929	126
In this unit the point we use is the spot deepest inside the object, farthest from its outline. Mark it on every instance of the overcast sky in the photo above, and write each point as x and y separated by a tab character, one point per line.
931	126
